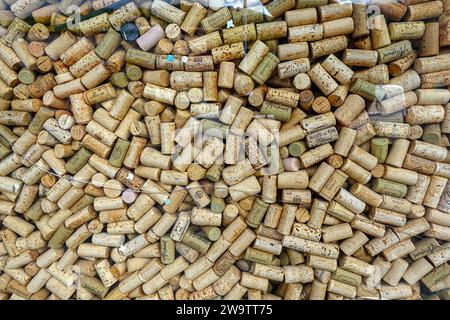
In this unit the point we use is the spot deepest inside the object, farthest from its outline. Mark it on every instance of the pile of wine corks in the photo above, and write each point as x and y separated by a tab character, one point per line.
224	149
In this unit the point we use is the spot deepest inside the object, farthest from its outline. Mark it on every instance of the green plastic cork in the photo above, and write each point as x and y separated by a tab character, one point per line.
347	277
265	68
196	241
167	248
390	188
367	90
108	45
217	204
214	172
26	76
212	233
141	58
119	79
5	151
119	152
296	149
278	111
78	160
257	213
83	202
258	256
59	237
432	133
133	72
39	119
35	212
379	148
93	285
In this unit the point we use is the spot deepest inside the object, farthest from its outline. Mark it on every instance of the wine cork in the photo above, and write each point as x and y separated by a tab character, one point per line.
306	33
394	51
398	102
271	31
424	11
312	247
138	57
150	38
338	27
293	67
322	79
18	28
42	84
167	12
95	76
351	107
379	32
301	17
108	45
332	185
265	68
360	58
277	8
327	46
